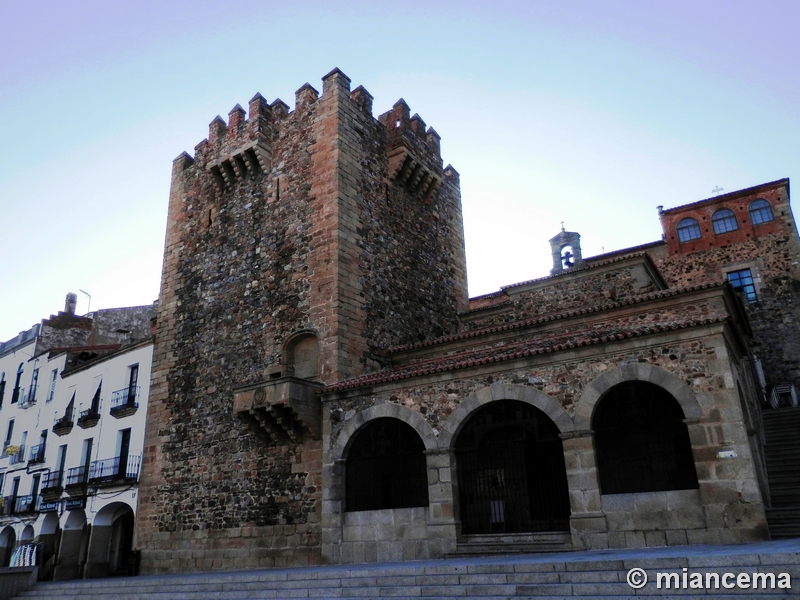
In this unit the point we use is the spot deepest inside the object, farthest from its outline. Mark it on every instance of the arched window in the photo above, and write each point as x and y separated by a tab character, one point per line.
688	230
301	356
641	441
760	212
386	467
511	471
724	221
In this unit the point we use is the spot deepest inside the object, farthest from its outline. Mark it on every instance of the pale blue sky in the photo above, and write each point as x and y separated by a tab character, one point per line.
589	112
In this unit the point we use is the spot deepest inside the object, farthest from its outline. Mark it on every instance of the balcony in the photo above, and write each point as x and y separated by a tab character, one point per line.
113	471
16	454
77	480
29	399
6	505
124	402
36	455
24	504
63	425
52	485
88	418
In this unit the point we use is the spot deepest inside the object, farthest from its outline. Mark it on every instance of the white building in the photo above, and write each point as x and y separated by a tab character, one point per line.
73	403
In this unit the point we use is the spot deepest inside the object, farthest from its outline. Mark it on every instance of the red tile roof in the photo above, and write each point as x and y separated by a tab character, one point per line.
554	342
554	316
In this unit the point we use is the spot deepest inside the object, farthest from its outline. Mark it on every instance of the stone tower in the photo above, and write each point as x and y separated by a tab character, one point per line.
300	245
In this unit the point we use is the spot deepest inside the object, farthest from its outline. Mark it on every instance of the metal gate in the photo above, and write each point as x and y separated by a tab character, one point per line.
512	479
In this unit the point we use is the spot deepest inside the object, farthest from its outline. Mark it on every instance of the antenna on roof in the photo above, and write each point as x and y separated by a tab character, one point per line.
717	190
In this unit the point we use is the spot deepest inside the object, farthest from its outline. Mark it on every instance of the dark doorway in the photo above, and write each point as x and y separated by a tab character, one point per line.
511	472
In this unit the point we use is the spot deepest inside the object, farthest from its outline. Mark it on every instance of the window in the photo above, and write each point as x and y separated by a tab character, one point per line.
34	382
742	281
15	393
2	388
52	391
133	382
688	230
641	441
386	467
9	433
760	212
301	356
724	221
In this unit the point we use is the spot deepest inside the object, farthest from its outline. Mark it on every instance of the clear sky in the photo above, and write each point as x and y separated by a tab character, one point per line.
590	112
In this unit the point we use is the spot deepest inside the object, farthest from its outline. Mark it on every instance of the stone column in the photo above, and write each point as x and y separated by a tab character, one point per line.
97	558
70	553
587	521
441	493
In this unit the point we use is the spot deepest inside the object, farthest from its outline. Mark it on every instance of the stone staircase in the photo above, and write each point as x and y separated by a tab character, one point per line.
600	574
782	452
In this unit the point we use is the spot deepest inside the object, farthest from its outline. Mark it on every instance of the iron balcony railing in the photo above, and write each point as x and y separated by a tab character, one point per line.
52	481
65	421
36	455
125	397
7	505
91	414
29	399
24	504
115	469
77	476
18	457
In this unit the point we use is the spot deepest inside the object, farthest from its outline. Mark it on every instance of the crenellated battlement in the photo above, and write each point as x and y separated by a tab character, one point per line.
415	160
241	147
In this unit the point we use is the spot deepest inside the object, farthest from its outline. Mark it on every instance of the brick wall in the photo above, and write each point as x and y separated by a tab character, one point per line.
770	250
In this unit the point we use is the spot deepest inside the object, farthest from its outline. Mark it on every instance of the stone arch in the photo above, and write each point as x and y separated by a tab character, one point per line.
8	539
634	372
503	391
110	513
73	546
49	524
49	532
111	541
301	355
75	521
391	410
26	537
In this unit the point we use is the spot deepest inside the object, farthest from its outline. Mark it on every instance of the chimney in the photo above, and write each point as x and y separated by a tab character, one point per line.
71	303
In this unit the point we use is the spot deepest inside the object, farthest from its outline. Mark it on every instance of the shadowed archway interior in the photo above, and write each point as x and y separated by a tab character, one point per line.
511	472
641	441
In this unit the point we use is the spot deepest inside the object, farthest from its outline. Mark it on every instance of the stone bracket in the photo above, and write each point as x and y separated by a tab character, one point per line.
280	410
249	160
408	171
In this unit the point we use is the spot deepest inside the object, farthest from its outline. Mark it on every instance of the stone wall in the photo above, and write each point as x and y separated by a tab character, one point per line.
600	285
692	364
284	222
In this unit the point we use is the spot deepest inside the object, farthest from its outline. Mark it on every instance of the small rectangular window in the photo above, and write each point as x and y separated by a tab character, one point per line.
9	432
53	377
742	281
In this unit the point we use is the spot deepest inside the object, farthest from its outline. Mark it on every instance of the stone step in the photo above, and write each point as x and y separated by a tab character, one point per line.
563	575
782	456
